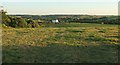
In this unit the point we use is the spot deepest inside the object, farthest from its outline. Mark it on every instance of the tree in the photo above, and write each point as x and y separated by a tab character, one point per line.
5	19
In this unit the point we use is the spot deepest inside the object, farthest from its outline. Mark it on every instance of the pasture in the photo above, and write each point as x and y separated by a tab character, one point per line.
61	43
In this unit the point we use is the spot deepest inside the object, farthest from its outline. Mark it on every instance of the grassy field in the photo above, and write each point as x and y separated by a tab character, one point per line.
61	43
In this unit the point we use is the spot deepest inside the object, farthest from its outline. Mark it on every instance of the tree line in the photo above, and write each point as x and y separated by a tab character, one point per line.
33	21
103	20
110	19
18	22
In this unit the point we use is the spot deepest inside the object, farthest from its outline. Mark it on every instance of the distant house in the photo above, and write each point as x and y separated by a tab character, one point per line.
55	21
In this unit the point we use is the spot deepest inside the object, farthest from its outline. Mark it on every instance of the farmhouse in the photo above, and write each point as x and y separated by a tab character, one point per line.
55	21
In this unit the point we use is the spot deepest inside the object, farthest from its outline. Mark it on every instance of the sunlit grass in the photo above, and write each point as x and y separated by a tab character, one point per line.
77	44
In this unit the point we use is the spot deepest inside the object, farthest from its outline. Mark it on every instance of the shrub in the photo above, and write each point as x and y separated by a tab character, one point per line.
32	23
22	23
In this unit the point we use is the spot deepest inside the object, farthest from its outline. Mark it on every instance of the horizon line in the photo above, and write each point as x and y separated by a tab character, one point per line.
68	14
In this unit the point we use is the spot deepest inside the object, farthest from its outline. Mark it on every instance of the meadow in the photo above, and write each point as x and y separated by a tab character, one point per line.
61	43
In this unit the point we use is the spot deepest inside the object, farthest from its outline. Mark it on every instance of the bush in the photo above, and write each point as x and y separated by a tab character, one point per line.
32	23
29	26
22	23
18	22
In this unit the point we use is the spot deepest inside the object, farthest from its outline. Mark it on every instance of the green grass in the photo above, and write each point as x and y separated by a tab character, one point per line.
79	25
66	43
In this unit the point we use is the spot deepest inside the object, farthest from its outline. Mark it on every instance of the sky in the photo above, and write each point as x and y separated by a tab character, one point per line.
46	7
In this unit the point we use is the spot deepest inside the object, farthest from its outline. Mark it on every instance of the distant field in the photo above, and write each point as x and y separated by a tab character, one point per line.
61	43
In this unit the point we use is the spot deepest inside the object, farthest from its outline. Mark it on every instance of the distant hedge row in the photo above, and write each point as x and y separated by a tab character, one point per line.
94	20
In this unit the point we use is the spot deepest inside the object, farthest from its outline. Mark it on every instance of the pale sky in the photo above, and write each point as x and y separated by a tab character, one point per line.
59	0
46	7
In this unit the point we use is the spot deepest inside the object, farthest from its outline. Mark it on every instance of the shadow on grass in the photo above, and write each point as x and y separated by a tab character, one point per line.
76	31
60	53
